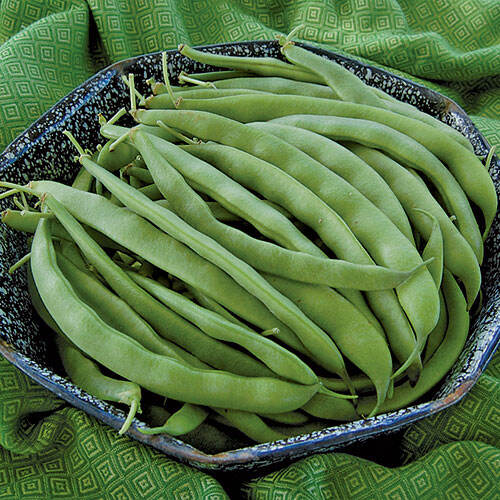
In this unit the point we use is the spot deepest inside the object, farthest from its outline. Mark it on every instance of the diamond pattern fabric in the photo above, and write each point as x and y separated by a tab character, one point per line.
47	47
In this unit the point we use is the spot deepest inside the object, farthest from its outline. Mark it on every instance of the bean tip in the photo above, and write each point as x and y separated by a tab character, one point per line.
180	47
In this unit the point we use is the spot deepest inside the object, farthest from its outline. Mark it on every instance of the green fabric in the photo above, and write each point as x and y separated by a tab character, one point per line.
51	450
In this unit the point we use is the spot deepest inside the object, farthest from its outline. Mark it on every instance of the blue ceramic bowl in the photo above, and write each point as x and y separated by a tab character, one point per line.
42	152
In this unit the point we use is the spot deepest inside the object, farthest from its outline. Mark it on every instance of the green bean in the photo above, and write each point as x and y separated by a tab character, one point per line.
350	88
71	252
288	418
115	131
314	339
214	306
141	173
277	85
458	159
277	358
238	200
307	207
23	220
211	76
125	227
418	295
247	108
362	384
162	100
251	425
459	257
113	160
84	372
261	255
127	358
235	198
436	336
264	66
405	150
167	323
206	436
323	405
185	420
434	249
116	312
346	164
152	192
217	210
86	375
356	338
27	222
403	108
206	78
134	182
443	358
83	180
342	81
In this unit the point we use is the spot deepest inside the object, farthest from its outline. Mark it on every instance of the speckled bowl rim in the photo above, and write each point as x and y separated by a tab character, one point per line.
262	455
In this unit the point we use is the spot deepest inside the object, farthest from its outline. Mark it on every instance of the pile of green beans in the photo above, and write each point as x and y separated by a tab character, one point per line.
273	248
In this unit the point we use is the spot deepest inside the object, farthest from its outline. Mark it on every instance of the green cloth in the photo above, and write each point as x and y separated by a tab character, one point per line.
51	450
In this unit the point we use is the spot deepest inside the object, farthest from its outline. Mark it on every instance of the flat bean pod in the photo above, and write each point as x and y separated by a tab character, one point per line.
162	100
288	418
323	405
262	176
342	81
84	372
460	161
143	239
166	322
314	339
211	76
264	66
27	222
277	85
216	208
323	224
184	420
459	257
277	358
128	358
341	161
214	306
357	339
404	150
262	255
389	247
115	131
436	336
251	425
265	107
235	198
116	312
350	88
443	358
434	249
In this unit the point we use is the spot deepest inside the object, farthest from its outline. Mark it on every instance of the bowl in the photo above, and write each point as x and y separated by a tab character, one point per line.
42	152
